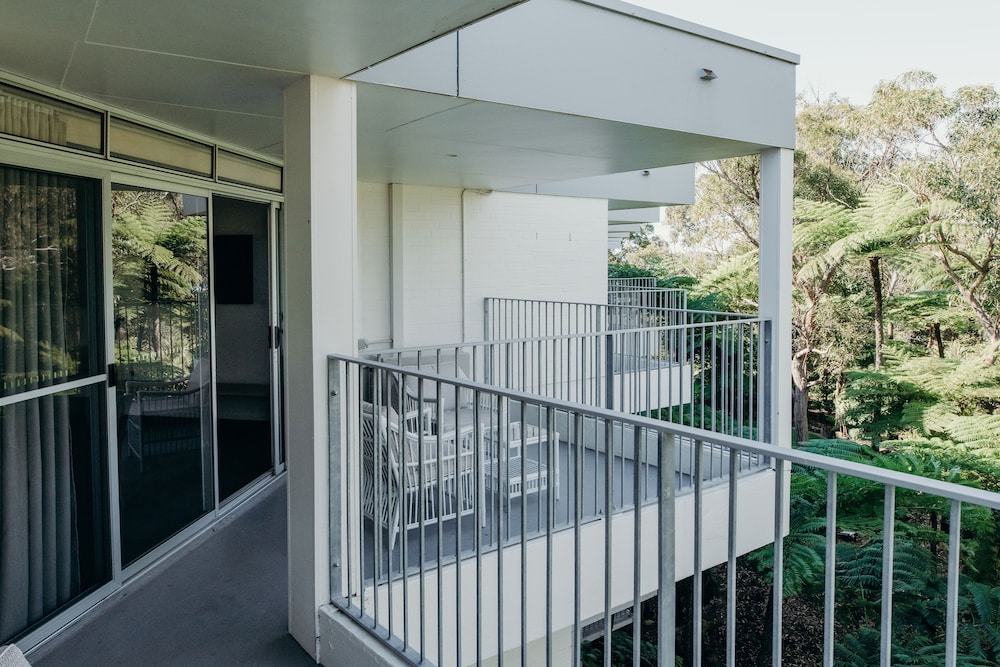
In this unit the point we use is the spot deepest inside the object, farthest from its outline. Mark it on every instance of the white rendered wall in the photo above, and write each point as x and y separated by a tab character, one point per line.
374	260
429	256
533	247
431	273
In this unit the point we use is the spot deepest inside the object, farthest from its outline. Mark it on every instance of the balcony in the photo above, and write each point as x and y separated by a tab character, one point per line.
534	513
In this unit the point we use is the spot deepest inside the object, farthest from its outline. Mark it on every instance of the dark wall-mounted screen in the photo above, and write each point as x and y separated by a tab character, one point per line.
234	269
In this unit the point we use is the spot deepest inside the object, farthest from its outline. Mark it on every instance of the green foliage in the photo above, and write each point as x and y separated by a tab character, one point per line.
903	193
592	653
874	402
158	254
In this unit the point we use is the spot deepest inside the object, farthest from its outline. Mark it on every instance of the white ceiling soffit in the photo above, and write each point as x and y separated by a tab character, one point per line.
665	186
215	67
622	231
607	60
618	219
426	139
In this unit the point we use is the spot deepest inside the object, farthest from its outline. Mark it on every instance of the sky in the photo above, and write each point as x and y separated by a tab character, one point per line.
848	46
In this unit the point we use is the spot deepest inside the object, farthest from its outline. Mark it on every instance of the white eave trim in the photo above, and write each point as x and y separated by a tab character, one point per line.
696	29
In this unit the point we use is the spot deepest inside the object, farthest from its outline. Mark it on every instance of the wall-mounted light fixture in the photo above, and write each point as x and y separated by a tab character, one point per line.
708	75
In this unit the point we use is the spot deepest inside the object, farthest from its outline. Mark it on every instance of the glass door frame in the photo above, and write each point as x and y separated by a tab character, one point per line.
276	348
277	309
20	156
201	188
186	186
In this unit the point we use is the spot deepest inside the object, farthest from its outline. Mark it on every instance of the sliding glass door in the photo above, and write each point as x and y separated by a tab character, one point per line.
243	312
54	535
172	459
163	344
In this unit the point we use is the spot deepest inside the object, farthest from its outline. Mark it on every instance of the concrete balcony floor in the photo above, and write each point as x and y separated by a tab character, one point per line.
221	601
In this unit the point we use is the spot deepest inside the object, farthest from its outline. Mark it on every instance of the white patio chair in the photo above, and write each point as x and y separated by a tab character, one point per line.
166	417
401	486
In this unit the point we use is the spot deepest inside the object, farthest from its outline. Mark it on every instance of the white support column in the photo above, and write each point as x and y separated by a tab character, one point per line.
321	312
775	287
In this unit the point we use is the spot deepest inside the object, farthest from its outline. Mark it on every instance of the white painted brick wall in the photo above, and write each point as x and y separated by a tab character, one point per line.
374	261
533	247
513	245
432	219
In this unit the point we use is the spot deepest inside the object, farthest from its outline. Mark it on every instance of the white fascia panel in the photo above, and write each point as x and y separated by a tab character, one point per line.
431	67
570	57
664	186
600	61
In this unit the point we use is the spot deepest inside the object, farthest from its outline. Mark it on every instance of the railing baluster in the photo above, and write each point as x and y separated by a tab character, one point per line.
577	524
779	560
666	613
638	445
524	534
954	559
400	520
888	554
459	499
378	520
609	476
696	604
732	552
550	502
502	443
421	519
830	576
478	518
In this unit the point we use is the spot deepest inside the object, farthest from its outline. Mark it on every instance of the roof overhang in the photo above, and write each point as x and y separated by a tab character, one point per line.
217	68
631	190
492	94
556	90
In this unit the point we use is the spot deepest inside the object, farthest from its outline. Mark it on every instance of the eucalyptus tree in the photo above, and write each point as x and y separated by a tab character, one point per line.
953	168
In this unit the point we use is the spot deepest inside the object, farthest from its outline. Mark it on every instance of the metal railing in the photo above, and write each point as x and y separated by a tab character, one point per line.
649	297
615	284
707	374
455	588
505	318
159	340
440	486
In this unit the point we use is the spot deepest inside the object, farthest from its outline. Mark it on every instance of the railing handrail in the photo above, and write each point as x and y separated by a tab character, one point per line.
753	319
591	304
949	490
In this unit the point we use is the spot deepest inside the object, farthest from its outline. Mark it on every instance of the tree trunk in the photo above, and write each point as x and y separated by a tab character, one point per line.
876	271
936	337
839	417
800	397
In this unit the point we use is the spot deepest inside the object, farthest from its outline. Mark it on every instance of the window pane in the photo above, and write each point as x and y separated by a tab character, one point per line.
49	309
247	171
54	539
162	348
149	146
24	114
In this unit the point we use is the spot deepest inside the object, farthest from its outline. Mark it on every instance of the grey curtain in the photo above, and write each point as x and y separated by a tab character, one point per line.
39	562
